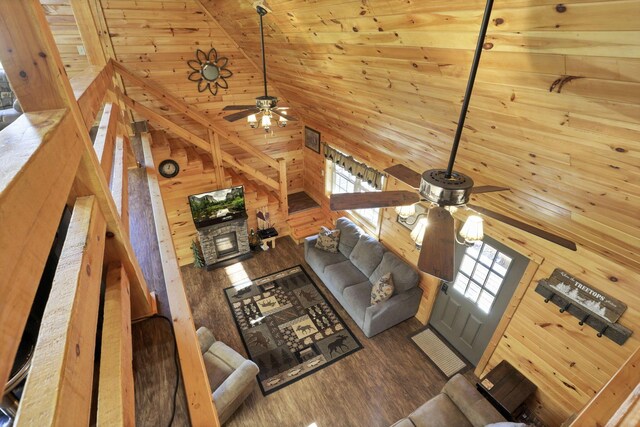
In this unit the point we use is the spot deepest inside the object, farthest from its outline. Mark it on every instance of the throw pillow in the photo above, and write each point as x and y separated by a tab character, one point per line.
328	240
382	289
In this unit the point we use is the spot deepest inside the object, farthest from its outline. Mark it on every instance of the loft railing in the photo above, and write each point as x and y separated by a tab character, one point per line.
216	134
47	162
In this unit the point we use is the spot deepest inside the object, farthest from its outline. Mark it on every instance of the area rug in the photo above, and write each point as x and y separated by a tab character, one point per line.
288	327
439	353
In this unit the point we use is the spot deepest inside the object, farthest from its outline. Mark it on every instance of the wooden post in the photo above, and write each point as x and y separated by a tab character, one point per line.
284	197
88	27
202	412
116	403
104	142
120	181
216	156
31	59
58	389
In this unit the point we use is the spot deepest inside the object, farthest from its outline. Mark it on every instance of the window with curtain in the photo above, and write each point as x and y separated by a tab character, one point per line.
346	175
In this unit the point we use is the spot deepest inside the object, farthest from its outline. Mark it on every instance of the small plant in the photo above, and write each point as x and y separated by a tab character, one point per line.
198	259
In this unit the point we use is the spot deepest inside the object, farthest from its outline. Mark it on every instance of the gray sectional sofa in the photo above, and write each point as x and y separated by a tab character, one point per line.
460	405
361	260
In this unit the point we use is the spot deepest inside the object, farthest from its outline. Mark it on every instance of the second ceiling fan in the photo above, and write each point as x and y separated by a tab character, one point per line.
444	189
265	105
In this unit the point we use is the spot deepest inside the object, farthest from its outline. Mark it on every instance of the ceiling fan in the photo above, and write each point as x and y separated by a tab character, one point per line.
445	189
265	105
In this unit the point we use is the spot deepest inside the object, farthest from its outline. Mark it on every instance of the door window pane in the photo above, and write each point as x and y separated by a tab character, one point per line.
493	283
460	284
487	255
485	301
473	291
474	251
467	265
502	263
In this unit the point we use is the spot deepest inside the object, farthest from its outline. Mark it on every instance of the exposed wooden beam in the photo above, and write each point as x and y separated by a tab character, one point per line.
83	12
202	411
284	197
58	389
116	403
32	62
42	148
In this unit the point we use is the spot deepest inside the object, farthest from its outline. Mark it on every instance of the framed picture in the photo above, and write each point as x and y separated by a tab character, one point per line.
312	139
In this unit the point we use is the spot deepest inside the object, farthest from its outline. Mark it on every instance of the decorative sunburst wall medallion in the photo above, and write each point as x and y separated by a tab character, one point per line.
209	71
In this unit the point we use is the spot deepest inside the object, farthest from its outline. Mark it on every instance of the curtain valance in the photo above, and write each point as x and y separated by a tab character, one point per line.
356	168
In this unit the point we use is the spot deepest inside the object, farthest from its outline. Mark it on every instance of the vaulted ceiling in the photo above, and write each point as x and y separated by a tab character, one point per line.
555	113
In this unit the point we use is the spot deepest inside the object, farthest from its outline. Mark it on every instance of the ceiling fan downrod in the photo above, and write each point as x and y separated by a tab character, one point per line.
262	12
472	78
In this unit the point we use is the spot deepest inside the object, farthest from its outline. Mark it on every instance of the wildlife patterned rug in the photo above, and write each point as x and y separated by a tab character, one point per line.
288	327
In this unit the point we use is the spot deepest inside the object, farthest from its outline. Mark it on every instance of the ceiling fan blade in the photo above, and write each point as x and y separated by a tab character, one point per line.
241	115
346	201
405	175
488	189
554	238
238	107
437	255
289	118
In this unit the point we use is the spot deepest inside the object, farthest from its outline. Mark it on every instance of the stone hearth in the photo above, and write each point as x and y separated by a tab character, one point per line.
224	241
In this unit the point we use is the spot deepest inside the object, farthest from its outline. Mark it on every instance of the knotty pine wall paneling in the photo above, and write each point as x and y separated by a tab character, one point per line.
66	34
384	80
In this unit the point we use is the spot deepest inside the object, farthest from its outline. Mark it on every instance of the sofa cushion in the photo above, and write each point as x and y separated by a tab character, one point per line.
475	407
328	240
405	422
367	254
349	235
217	369
382	289
404	276
342	275
320	259
358	297
439	412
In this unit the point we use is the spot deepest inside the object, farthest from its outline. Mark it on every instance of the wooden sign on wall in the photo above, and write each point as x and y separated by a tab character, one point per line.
586	296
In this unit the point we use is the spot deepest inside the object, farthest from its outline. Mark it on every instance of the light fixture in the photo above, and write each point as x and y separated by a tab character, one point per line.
418	231
472	230
282	122
266	122
253	121
405	212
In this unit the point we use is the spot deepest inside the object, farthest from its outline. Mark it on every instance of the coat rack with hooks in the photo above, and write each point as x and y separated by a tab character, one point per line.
590	306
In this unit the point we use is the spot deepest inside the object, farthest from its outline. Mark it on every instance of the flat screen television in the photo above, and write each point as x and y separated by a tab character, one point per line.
217	206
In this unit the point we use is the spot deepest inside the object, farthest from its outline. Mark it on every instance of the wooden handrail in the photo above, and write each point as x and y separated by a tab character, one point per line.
202	412
90	88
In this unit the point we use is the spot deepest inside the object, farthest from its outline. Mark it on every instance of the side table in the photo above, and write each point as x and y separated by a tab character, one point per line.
507	389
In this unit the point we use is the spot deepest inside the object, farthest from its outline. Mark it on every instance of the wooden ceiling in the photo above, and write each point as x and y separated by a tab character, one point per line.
385	79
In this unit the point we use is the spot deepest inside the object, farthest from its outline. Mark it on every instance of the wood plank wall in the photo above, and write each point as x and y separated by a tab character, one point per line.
383	81
155	39
65	32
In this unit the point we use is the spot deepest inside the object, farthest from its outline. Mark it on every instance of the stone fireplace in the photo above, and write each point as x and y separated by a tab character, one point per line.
224	241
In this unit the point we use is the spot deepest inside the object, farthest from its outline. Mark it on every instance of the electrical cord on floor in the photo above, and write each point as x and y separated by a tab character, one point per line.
175	360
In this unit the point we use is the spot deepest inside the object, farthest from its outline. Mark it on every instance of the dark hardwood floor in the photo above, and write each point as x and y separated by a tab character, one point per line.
375	386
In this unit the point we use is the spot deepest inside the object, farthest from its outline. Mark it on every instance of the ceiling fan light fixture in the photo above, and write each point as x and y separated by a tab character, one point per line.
282	122
266	122
472	230
405	212
252	120
417	235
